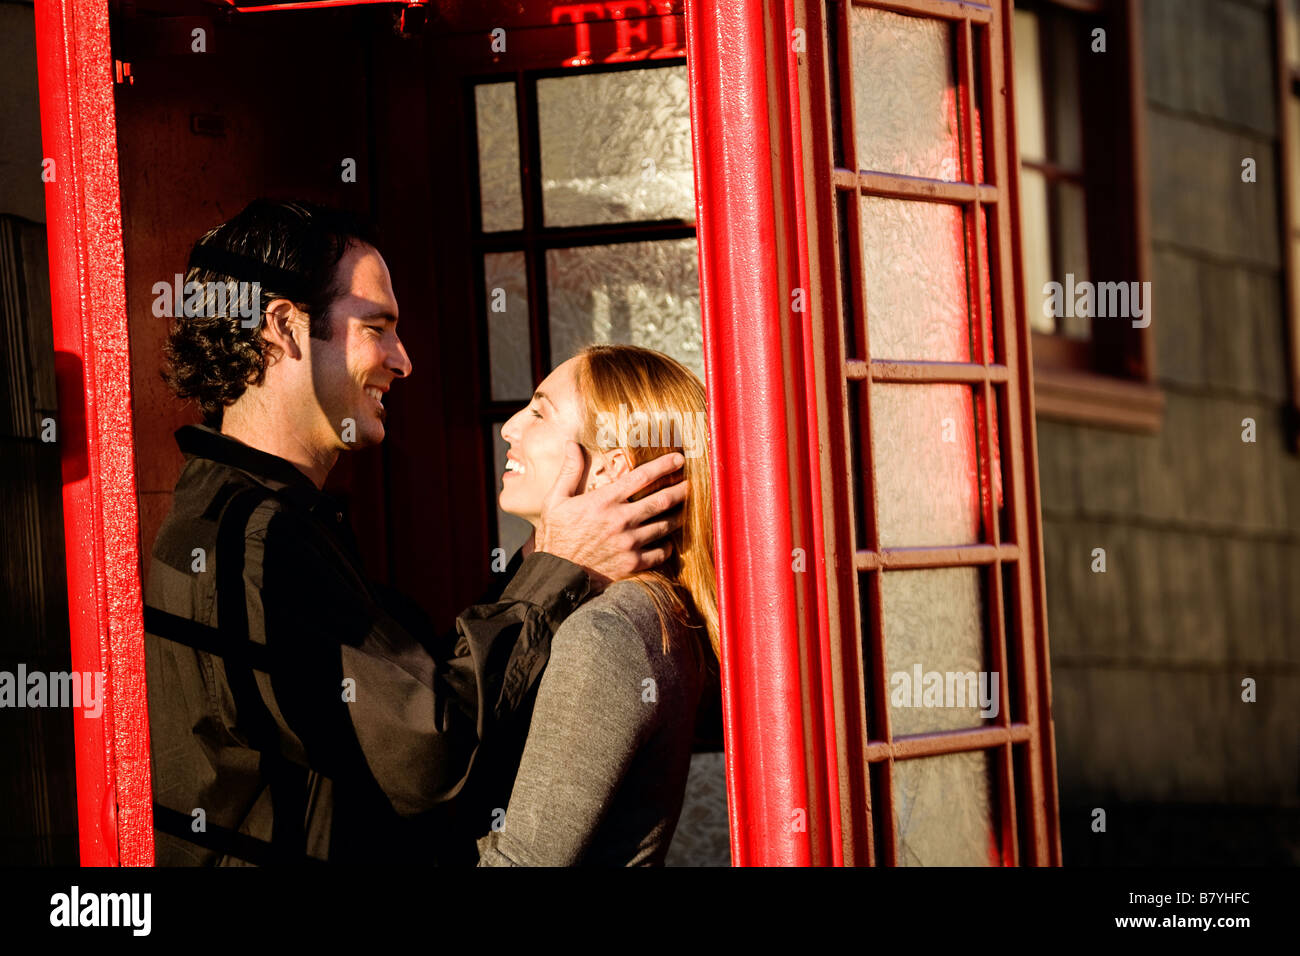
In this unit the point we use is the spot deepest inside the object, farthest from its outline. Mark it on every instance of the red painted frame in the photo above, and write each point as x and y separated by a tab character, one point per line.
753	254
101	524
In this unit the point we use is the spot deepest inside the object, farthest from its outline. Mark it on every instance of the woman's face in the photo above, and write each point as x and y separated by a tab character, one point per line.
536	435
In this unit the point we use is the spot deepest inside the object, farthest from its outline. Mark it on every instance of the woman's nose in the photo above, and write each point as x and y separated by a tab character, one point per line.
508	429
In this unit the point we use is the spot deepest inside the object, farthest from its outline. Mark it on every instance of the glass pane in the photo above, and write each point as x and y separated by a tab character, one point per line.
1067	123
915	256
1037	249
498	157
1291	32
927	479
847	280
512	531
904	94
633	293
1072	243
1293	161
833	80
505	290
945	811
616	147
1030	133
1293	295
934	651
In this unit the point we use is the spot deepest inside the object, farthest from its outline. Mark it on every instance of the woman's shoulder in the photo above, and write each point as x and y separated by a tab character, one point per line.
623	622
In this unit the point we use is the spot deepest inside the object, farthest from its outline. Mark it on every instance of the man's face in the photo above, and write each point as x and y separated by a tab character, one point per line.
353	370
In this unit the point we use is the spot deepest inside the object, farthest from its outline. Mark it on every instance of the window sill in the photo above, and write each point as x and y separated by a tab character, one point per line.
1092	399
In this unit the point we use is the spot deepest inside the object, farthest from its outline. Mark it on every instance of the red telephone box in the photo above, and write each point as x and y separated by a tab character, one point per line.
842	231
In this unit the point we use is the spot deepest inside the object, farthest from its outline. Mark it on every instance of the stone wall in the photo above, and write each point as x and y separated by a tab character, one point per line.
1201	529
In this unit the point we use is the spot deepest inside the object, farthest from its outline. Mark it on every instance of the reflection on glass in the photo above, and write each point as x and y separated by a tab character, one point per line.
904	94
633	293
945	811
1031	135
505	291
1037	249
616	147
934	624
512	531
915	261
927	480
498	157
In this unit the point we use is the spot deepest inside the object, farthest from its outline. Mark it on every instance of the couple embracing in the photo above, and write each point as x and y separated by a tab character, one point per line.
300	712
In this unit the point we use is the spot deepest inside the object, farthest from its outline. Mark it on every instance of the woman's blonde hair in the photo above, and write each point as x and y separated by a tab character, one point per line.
648	405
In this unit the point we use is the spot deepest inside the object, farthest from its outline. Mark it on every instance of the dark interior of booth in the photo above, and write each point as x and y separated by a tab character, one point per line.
276	105
371	108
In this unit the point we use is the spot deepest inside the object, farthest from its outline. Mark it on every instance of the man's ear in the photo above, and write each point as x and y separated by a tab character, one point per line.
607	467
281	324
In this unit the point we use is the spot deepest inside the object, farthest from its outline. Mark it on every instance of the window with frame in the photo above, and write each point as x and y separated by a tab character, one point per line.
1084	269
584	228
1288	61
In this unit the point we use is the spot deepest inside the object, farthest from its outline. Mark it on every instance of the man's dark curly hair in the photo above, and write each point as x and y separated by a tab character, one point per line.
293	250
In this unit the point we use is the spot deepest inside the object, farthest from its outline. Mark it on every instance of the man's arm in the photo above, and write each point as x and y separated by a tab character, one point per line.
352	690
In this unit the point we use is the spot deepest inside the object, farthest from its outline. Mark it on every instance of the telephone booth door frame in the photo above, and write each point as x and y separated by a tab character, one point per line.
785	763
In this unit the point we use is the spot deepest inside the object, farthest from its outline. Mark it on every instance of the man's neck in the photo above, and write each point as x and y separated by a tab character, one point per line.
260	430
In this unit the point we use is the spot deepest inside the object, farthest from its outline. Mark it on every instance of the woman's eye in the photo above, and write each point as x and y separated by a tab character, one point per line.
535	412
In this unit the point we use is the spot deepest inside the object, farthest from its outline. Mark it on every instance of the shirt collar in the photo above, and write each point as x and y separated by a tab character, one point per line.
200	441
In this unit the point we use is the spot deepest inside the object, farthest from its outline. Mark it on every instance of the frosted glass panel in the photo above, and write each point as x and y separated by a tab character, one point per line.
616	147
633	293
927	480
505	283
904	95
512	531
945	811
498	157
934	625
915	259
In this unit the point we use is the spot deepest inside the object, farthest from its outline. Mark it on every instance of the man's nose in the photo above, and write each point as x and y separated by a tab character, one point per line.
401	364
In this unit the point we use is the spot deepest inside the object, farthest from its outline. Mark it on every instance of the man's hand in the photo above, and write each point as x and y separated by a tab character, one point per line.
610	536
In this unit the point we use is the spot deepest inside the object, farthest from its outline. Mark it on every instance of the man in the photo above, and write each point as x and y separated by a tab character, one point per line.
298	712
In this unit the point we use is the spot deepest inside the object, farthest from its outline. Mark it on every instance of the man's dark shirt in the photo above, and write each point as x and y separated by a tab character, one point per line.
307	713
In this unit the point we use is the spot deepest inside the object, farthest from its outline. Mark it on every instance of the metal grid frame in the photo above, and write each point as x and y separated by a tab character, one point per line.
1020	738
534	238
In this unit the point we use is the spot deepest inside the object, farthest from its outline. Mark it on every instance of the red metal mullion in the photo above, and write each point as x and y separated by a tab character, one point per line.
944	742
1031	603
934	9
825	759
852	735
865	483
748	263
988	461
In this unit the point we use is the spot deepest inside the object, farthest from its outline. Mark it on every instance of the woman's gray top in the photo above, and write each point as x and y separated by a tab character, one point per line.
604	767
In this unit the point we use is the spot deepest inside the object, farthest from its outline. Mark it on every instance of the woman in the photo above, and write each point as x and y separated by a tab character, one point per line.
604	767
